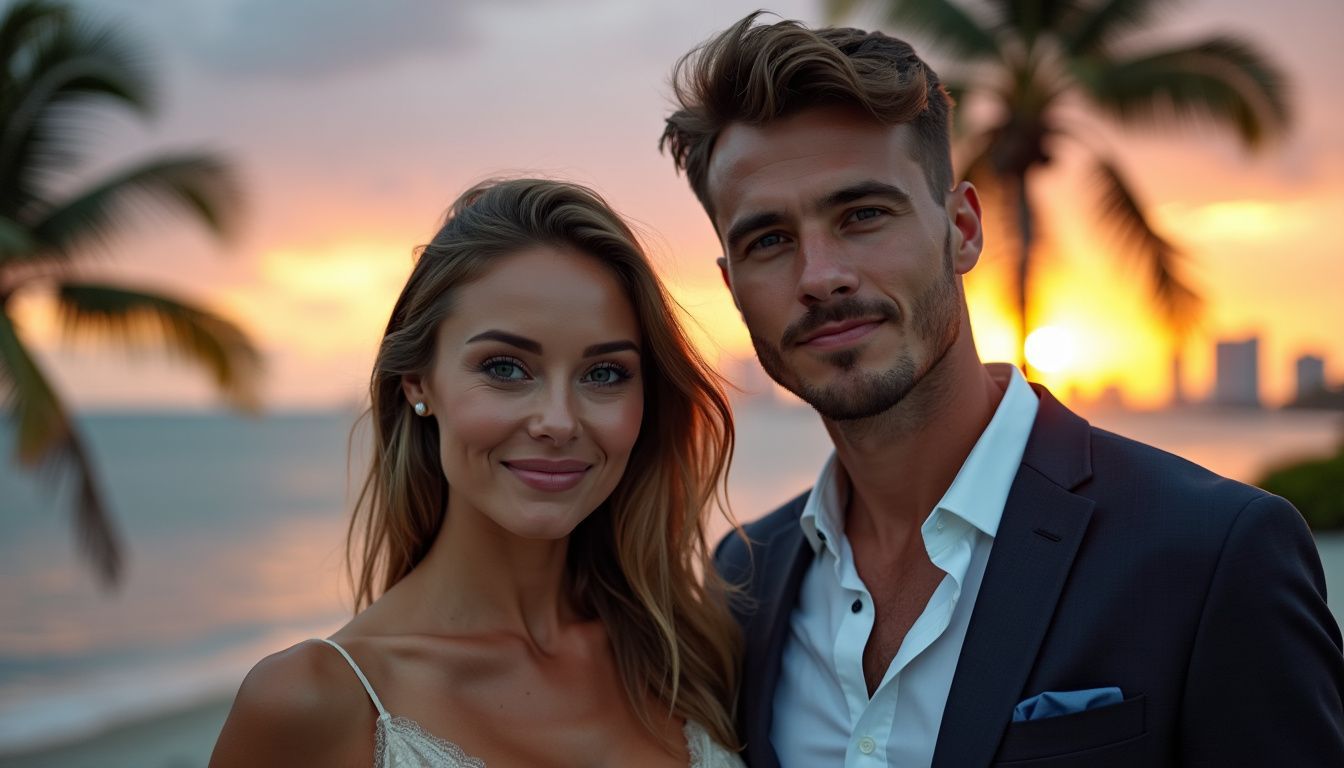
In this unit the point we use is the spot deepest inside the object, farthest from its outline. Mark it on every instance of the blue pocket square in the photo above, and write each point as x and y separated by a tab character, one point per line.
1056	703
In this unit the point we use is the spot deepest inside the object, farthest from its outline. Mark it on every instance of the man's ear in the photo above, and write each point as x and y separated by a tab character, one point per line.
728	283
968	235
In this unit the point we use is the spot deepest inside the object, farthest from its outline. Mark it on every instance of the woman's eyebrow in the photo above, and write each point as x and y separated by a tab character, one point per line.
607	348
528	345
513	340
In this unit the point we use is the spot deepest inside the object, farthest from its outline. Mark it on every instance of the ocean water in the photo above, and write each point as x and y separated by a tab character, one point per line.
235	529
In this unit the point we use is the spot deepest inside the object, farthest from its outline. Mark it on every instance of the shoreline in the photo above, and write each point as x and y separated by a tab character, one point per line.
180	738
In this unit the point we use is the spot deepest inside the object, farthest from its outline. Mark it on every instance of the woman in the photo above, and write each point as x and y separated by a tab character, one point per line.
546	446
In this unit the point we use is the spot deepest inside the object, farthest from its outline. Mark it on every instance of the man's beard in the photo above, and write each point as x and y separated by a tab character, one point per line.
861	395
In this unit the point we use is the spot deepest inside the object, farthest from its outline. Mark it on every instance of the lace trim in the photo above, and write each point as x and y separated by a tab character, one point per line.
703	751
695	743
441	748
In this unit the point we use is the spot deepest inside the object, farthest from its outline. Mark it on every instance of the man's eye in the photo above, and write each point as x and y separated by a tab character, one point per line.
768	241
867	213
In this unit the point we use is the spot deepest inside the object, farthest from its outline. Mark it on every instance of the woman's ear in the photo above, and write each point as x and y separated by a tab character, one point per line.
413	386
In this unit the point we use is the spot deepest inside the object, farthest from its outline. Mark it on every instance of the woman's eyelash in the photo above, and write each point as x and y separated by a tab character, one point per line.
620	372
492	366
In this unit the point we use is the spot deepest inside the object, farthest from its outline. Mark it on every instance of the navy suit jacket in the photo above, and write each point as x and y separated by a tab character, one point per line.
1115	564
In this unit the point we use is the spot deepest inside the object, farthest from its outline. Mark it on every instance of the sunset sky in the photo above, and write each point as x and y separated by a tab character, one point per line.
354	124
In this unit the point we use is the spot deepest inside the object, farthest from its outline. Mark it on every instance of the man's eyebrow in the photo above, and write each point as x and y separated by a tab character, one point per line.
513	340
745	226
606	348
861	190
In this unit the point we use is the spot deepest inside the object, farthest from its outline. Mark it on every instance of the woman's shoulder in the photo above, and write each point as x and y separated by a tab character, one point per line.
298	706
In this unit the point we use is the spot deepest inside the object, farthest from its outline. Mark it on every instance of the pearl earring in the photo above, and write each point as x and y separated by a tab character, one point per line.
421	409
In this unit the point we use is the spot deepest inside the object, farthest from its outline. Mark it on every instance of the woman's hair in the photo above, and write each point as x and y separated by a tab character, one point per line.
636	563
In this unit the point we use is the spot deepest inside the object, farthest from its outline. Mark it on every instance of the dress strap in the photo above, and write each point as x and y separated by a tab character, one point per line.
382	713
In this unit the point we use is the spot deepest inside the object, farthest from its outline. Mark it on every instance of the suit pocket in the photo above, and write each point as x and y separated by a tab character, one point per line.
1078	732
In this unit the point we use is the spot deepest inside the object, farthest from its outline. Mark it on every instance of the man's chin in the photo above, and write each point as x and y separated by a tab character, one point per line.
855	394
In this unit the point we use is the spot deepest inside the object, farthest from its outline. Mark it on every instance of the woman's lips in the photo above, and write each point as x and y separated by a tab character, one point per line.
548	475
840	334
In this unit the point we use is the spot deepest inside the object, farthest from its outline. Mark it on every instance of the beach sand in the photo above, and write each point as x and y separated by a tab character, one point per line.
181	739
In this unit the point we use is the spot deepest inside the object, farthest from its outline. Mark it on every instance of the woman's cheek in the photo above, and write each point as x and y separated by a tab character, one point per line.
622	428
472	427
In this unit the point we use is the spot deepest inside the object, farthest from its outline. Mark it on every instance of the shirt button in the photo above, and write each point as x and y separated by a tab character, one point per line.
939	526
867	745
857	606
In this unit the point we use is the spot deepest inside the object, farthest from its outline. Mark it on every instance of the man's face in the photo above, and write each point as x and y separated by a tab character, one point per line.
845	268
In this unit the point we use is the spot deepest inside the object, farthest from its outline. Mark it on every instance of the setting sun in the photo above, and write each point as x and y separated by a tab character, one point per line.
1051	349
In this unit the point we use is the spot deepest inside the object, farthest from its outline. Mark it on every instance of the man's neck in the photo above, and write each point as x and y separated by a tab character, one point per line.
900	463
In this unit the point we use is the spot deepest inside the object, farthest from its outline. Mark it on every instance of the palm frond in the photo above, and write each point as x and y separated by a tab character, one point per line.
31	403
1030	18
1092	28
1222	80
839	10
1176	297
15	240
25	21
199	184
948	24
47	440
128	316
56	72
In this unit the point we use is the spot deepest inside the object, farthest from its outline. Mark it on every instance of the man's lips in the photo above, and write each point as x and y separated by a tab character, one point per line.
840	333
548	474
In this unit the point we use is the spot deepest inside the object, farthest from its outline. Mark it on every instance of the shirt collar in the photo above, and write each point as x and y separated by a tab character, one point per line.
821	519
980	489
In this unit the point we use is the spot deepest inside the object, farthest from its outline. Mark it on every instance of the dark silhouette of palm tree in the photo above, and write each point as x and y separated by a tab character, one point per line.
56	70
1035	59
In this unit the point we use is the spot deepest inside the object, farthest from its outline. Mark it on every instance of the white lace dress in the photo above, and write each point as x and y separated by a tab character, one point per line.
400	742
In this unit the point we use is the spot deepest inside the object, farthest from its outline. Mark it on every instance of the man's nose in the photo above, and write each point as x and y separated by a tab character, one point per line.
824	271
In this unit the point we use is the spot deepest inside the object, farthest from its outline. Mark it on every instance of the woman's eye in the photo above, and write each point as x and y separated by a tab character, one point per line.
504	369
606	375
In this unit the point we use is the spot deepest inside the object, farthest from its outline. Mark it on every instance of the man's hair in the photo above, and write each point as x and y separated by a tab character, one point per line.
753	74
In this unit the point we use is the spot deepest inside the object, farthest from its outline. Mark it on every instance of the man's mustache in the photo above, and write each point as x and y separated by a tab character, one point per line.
838	311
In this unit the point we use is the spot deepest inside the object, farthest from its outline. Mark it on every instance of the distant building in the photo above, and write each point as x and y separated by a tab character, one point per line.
1310	376
1177	380
1238	374
1313	392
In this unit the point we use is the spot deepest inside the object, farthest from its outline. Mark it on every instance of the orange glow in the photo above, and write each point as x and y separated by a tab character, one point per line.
324	301
1051	349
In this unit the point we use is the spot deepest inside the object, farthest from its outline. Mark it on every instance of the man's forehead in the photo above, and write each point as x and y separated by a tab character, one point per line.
801	155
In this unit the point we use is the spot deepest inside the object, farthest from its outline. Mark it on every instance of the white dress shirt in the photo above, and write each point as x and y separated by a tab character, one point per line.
823	715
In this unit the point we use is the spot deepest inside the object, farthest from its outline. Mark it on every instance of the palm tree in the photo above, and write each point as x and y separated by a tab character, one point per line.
55	68
1039	61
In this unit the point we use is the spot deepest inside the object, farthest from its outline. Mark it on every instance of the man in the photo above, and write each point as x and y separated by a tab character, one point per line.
978	576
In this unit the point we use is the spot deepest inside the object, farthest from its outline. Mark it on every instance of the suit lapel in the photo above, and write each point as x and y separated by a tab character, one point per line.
1042	526
781	577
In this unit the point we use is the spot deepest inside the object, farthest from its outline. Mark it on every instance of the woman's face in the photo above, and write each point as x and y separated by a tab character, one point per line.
537	392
